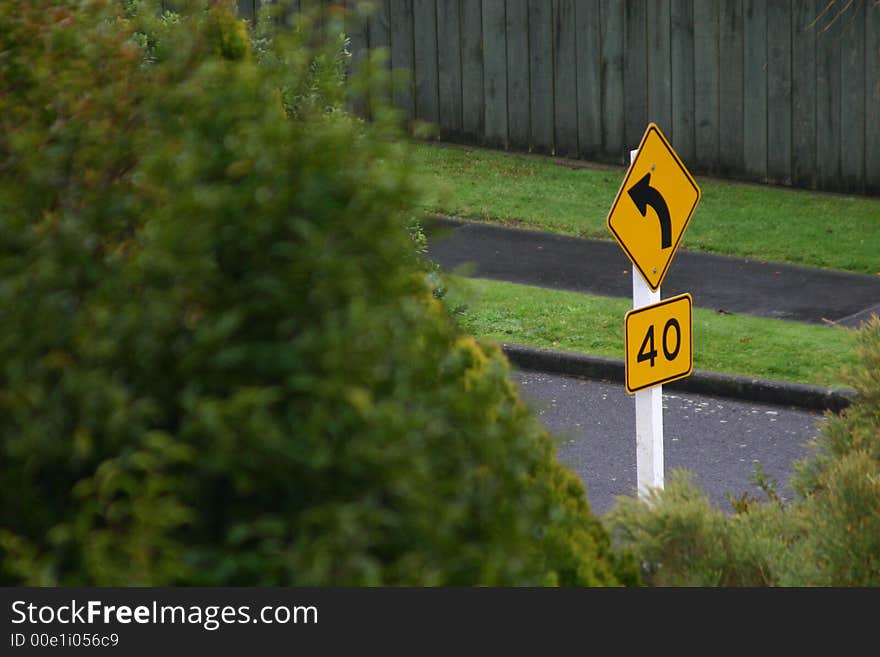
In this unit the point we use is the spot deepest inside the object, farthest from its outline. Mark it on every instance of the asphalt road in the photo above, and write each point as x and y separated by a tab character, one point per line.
719	440
724	284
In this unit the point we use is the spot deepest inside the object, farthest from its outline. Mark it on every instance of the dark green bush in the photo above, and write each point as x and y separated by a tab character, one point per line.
829	535
220	359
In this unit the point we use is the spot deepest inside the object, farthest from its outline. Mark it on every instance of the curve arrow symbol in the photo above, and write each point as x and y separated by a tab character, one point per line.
644	195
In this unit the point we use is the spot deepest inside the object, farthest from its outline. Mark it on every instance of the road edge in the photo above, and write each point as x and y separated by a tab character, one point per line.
764	391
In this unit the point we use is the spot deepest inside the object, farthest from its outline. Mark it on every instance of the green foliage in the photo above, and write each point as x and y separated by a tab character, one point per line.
222	363
681	540
840	483
695	556
828	536
312	70
856	429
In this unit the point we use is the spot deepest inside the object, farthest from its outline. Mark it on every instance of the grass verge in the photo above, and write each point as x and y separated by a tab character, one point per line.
732	344
738	219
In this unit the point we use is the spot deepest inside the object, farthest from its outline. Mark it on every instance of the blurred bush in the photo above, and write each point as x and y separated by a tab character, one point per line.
829	535
221	362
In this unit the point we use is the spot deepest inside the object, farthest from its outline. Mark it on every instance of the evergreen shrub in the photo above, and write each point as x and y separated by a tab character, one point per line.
828	535
221	361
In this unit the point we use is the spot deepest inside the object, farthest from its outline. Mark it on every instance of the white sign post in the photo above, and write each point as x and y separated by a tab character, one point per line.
649	405
656	179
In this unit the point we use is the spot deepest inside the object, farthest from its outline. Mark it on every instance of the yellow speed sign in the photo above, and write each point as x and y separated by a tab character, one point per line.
659	343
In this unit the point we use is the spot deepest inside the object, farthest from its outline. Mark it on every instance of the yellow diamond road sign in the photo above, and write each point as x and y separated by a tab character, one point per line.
659	343
653	207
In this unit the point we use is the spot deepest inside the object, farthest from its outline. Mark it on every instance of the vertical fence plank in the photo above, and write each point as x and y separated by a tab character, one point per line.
518	73
541	75
613	108
852	97
589	79
872	101
635	73
827	103
323	7
403	56
755	81
379	27
425	58
565	78
286	9
312	9
495	72
779	91
356	31
707	81
472	69
730	88
379	39
246	9
449	67
325	15
659	65
683	92
803	92
302	7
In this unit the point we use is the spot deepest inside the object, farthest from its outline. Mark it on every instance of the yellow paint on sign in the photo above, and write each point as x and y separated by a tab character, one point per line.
659	343
653	207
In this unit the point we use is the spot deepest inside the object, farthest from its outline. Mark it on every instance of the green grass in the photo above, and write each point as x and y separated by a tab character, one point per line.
766	223
733	344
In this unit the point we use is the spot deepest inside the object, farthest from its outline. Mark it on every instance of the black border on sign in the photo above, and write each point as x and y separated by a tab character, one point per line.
653	127
675	377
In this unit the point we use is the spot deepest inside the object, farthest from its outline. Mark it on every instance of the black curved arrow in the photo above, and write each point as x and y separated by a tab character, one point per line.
644	195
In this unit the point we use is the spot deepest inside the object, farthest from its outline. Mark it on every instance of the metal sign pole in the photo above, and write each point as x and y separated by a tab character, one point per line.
649	405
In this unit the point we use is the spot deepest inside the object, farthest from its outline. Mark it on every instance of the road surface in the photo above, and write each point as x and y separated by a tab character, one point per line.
724	284
720	440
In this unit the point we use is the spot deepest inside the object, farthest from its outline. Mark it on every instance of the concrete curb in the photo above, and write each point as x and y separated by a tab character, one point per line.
764	391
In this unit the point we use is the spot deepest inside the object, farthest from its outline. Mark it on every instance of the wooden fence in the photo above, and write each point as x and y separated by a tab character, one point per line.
781	91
